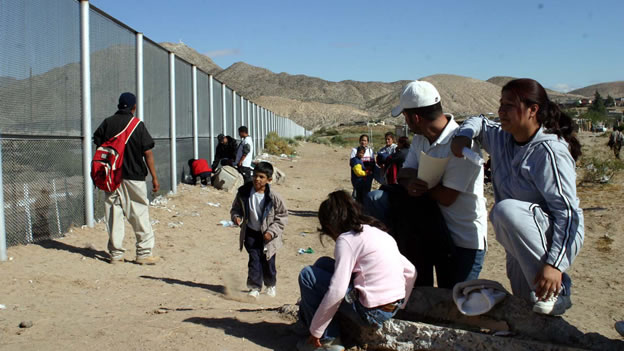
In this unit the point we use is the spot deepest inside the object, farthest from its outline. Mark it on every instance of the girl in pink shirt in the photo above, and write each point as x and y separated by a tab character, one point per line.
367	282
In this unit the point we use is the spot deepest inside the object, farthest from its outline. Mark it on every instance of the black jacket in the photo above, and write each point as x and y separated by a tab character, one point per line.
133	167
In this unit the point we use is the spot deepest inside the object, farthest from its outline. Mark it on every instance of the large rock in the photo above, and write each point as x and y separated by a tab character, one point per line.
400	335
227	178
431	321
513	314
279	177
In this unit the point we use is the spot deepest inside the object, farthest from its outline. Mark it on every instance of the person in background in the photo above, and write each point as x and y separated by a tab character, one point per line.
536	214
199	168
367	281
382	154
394	162
359	175
244	154
368	160
130	199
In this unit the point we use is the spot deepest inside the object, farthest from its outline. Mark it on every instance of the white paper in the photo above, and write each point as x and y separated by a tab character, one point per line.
431	169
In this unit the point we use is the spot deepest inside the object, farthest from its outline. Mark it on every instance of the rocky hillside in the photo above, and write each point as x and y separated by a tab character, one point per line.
189	54
313	102
552	94
615	89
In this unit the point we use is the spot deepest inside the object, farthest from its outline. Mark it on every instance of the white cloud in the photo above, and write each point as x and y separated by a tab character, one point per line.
562	87
222	52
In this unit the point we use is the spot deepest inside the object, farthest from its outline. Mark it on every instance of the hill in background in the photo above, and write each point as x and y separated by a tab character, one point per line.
615	89
313	102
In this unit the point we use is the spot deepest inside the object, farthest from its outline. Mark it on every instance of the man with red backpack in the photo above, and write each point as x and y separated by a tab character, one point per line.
130	197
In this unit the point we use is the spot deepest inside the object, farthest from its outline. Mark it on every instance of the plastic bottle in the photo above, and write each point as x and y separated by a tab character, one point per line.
472	156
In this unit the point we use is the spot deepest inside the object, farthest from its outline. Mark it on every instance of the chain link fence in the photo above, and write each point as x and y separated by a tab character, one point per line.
41	114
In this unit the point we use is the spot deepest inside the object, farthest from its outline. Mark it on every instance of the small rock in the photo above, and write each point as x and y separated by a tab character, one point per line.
11	258
26	324
2	307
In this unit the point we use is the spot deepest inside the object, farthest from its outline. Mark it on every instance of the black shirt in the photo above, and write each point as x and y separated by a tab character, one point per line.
133	167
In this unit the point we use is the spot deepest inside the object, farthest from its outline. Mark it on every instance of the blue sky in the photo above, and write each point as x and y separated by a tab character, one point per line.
563	44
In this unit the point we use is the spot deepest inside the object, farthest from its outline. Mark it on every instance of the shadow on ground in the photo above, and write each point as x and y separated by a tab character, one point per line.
219	289
274	336
84	251
303	213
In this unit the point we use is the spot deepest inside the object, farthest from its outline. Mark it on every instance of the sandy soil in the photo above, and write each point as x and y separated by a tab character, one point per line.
195	300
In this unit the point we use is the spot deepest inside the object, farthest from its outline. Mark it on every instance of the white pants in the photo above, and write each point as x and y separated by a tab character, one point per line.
525	231
130	199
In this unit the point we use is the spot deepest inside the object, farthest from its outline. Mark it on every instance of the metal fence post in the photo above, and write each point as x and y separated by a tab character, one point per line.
172	122
195	129
85	60
224	109
139	75
242	103
3	246
211	117
233	112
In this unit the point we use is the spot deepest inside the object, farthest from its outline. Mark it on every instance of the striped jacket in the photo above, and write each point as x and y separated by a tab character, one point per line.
542	172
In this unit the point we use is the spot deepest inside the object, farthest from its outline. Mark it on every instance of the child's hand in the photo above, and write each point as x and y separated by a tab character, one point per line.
238	221
268	236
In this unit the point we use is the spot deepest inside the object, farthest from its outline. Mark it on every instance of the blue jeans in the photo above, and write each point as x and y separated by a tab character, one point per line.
314	283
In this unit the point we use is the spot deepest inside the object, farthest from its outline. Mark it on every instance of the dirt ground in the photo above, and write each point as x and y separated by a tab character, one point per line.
194	299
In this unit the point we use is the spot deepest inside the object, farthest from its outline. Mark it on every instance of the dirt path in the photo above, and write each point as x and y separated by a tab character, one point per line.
194	299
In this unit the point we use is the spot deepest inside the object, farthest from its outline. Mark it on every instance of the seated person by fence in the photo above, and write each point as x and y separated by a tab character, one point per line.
199	168
367	281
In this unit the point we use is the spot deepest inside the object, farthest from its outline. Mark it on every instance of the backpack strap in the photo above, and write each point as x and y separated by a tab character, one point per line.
128	130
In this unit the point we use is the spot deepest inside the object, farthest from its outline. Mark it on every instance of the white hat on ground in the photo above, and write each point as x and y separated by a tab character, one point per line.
475	297
416	94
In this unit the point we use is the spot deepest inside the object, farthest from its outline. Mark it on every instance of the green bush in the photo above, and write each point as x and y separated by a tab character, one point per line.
600	171
275	145
338	140
300	138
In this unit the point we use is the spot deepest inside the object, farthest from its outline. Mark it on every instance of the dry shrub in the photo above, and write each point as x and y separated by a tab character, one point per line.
275	145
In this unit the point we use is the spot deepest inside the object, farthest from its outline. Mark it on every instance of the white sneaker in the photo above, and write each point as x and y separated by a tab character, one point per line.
271	291
254	293
554	306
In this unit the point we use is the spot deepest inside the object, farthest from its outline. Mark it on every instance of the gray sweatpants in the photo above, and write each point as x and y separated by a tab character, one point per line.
525	231
130	199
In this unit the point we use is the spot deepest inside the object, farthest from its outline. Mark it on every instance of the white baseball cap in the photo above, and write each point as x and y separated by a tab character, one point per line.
417	94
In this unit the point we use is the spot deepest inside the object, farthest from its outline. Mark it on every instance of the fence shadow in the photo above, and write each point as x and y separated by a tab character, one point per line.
303	213
274	336
84	251
219	289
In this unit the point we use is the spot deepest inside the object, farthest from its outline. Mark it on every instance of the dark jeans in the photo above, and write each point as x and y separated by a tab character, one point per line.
204	176
259	268
422	237
246	173
314	282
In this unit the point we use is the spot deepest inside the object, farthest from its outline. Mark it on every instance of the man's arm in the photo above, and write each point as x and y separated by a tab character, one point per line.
149	159
246	149
443	195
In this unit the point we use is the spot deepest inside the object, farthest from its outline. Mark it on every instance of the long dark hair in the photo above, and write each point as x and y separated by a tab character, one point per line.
340	214
549	115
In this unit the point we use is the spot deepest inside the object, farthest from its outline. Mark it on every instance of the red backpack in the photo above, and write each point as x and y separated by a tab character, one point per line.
106	165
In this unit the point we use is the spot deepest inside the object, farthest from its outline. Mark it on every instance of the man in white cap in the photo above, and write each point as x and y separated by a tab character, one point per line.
459	196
